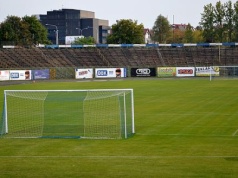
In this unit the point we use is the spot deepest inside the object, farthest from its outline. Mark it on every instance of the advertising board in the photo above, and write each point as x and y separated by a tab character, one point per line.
185	71
20	74
83	73
166	71
40	74
71	39
110	72
143	72
4	75
207	71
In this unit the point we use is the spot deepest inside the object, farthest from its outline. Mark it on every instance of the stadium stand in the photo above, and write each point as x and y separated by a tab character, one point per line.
146	55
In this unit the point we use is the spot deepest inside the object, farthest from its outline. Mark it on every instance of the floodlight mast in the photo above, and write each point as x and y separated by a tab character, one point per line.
96	33
81	30
56	32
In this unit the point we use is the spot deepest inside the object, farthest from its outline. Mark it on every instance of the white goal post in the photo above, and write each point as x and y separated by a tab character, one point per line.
93	113
223	72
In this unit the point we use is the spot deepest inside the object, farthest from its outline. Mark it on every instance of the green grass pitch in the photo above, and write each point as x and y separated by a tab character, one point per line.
184	128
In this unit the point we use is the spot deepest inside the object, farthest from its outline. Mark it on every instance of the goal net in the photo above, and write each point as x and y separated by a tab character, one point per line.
223	72
99	114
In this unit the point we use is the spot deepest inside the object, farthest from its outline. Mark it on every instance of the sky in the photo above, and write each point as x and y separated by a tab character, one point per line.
144	12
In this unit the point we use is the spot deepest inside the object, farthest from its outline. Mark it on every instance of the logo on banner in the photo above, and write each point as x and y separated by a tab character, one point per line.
185	71
142	71
83	72
14	75
102	72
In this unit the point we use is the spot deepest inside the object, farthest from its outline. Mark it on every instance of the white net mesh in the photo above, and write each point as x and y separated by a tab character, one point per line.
75	113
26	114
105	120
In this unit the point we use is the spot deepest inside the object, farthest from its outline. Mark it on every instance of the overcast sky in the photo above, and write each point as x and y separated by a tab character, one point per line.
145	12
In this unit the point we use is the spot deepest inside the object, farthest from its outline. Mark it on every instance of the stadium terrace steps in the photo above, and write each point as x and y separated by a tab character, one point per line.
184	56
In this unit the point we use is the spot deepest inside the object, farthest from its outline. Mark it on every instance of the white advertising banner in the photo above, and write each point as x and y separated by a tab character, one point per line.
20	74
207	71
83	73
110	72
4	75
185	71
71	39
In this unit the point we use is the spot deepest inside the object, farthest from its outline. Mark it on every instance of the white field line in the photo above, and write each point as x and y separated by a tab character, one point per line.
234	134
116	157
193	135
199	126
186	114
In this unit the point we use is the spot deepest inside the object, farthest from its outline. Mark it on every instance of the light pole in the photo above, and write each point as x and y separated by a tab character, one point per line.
96	33
81	30
56	32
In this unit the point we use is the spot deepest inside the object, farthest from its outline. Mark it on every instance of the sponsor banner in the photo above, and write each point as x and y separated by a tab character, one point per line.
110	72
185	71
166	71
143	72
20	74
4	75
207	71
83	73
71	39
40	74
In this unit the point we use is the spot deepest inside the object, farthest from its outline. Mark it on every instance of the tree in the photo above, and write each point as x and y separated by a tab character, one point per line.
235	21
84	41
25	31
162	29
188	34
198	35
177	37
207	23
38	33
220	22
10	29
229	20
219	14
126	31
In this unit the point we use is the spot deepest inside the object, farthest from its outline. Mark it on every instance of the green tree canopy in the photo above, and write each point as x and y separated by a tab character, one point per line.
23	31
162	29
84	41
220	22
229	19
198	35
219	14
10	29
126	31
235	21
207	23
188	35
38	33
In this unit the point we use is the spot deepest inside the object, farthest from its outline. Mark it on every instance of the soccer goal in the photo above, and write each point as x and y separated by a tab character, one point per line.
223	72
95	114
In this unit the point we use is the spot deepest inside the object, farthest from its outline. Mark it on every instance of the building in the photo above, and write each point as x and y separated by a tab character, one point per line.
147	35
181	27
71	22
